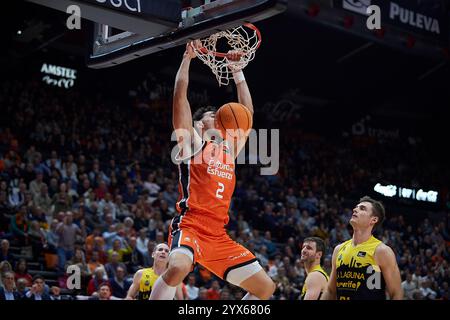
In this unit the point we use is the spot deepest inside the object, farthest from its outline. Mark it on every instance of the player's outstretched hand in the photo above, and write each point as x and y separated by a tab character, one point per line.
190	52
234	58
234	55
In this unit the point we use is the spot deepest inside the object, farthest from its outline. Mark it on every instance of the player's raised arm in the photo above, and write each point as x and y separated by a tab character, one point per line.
182	115
244	96
385	258
330	292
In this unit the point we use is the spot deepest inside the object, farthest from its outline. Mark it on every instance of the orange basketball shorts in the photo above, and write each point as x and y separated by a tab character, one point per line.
209	243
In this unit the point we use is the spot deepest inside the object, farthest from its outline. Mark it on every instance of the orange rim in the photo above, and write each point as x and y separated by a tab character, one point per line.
223	55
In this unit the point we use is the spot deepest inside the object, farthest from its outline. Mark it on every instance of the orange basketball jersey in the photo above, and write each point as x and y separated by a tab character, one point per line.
207	181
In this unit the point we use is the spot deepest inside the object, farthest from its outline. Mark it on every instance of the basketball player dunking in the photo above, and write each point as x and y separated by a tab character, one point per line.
364	268
197	234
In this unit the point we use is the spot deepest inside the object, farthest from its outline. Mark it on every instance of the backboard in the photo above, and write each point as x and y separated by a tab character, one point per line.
124	30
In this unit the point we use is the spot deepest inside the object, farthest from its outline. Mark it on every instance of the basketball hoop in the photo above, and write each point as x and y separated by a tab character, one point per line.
244	39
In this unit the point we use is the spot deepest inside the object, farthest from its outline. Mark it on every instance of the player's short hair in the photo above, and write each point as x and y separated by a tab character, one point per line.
320	246
198	114
377	209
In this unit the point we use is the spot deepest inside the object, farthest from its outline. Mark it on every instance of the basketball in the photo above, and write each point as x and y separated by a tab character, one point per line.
231	117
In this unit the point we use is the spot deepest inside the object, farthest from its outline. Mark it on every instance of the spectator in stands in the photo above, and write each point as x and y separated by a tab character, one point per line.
79	260
133	259
225	294
122	210
130	196
202	294
111	266
37	291
61	200
19	227
140	220
117	247
43	200
119	283
17	196
94	262
192	289
426	291
55	294
147	257
22	287
94	241
101	191
52	237
5	209
37	238
5	266
21	272
271	247
152	187
70	175
170	195
409	287
417	275
37	184
238	295
262	256
104	293
214	291
67	232
35	213
53	189
128	228
8	289
107	202
97	280
142	241
110	234
5	254
53	162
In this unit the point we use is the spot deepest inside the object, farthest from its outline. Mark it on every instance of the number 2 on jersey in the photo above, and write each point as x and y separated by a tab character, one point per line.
220	190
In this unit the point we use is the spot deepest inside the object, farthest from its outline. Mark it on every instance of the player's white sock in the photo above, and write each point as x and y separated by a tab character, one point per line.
162	291
249	296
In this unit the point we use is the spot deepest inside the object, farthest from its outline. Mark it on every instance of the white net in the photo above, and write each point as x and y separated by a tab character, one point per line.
243	40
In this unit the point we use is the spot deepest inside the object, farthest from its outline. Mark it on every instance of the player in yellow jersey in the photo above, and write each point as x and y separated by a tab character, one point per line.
364	268
144	279
313	253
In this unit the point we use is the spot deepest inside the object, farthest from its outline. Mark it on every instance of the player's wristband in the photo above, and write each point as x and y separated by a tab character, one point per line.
238	77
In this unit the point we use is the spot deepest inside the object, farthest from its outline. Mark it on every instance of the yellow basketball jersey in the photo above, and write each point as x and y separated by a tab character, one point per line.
358	277
316	268
147	280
